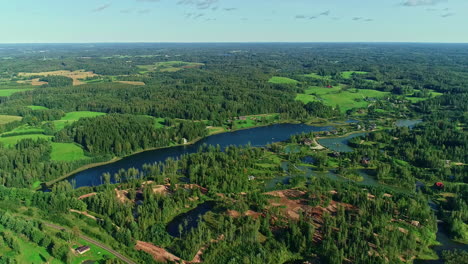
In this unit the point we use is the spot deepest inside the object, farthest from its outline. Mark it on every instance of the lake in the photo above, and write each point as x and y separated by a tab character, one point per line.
258	137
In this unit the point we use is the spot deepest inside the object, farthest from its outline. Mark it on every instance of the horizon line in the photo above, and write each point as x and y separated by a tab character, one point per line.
236	42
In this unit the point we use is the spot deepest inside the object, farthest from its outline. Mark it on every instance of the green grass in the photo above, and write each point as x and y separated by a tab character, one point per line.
306	98
282	80
25	129
349	99
348	74
5	119
67	152
8	92
315	90
37	107
11	141
159	122
96	253
71	117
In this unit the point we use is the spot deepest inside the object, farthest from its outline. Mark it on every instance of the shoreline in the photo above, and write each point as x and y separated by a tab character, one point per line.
116	159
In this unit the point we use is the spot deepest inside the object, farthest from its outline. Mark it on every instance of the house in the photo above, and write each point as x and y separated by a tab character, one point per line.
307	141
329	86
242	118
439	185
251	178
365	161
83	249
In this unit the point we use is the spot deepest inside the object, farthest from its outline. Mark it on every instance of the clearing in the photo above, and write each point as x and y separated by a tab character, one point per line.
132	82
11	141
5	119
77	76
349	74
74	116
37	107
67	152
8	92
282	80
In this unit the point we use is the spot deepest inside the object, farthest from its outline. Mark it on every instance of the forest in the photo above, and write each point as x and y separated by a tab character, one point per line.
386	200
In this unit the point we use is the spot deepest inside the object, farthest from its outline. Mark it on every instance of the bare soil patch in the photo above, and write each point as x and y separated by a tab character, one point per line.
77	76
132	82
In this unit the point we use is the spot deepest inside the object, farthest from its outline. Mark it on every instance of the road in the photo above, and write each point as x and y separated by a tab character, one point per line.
96	243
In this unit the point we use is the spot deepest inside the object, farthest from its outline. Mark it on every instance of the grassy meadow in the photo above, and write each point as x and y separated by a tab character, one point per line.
282	80
74	116
67	152
5	119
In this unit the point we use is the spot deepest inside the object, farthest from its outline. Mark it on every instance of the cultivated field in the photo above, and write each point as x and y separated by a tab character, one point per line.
5	119
132	82
77	76
8	92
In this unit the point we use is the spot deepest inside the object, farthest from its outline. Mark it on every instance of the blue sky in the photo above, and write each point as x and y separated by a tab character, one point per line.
57	21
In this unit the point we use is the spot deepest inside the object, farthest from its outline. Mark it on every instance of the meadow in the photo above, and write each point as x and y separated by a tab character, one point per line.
349	74
37	107
77	76
11	141
282	80
8	92
74	116
5	119
67	152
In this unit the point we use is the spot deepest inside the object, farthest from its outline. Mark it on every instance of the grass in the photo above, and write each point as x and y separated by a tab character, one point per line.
37	107
11	141
253	120
419	99
24	129
348	74
5	119
8	92
67	152
159	122
346	100
306	98
74	116
96	253
282	80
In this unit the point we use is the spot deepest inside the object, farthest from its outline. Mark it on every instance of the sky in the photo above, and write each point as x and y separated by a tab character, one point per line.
82	21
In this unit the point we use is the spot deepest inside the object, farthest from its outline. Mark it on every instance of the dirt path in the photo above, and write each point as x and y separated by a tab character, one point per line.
96	243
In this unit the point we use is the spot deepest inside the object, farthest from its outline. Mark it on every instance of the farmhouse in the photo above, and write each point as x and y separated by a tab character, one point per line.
83	249
242	118
307	141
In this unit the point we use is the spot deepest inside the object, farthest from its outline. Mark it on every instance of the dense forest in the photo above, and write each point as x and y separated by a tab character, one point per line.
64	108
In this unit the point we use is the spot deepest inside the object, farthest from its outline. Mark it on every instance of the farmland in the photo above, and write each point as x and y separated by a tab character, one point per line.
5	119
77	76
348	74
8	92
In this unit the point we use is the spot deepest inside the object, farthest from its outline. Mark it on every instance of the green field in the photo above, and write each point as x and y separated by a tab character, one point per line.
74	116
37	107
306	98
11	141
67	152
8	92
349	99
159	122
348	74
282	80
419	99
5	119
169	66
25	129
253	120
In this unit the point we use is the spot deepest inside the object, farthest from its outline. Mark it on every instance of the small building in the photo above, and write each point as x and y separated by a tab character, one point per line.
329	86
251	178
365	161
439	185
83	249
242	118
308	141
